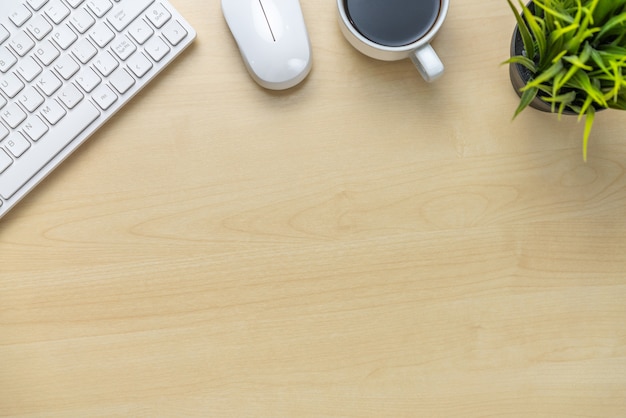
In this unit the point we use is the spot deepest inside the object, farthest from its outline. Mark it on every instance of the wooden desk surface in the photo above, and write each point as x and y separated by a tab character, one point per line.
365	245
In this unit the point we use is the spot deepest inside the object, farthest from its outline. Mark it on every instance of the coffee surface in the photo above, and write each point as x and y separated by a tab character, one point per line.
393	22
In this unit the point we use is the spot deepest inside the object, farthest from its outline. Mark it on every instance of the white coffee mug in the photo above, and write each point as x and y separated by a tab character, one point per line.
418	50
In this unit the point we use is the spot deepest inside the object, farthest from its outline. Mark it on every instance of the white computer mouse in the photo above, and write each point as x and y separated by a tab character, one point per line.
272	38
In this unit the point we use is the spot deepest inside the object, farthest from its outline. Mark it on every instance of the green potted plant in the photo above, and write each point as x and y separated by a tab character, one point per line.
569	57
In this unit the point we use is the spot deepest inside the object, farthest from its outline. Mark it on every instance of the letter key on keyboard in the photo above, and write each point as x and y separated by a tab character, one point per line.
66	66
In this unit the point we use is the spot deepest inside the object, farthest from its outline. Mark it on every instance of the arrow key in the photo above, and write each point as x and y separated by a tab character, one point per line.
157	49
174	32
140	31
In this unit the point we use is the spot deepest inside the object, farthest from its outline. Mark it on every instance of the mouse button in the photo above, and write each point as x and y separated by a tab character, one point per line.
275	19
260	22
247	22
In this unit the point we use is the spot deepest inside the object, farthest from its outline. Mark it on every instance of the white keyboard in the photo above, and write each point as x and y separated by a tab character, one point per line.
66	66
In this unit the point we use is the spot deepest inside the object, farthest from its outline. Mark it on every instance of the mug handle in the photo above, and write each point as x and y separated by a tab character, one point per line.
427	62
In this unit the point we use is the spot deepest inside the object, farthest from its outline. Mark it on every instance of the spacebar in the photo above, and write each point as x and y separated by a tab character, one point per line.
40	154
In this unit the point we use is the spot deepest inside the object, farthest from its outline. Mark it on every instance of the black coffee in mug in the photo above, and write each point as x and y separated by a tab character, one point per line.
393	23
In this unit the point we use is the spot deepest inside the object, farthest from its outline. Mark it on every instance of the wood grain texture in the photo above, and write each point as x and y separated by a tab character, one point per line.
364	245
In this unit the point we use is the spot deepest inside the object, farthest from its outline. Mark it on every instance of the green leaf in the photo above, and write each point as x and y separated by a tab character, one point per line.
527	39
582	81
526	62
548	74
577	62
615	22
591	115
555	13
527	97
562	100
597	59
534	24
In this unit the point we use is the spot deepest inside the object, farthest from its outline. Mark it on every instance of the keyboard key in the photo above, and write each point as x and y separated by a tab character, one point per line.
123	48
21	43
88	80
121	80
39	27
7	60
158	15
75	3
4	34
12	179
47	52
157	49
104	97
102	35
37	4
5	161
56	11
84	51
31	99
35	128
66	67
20	15
105	63
123	14
99	7
11	85
13	115
81	20
49	83
140	31
64	37
70	96
174	33
53	112
4	132
16	145
29	69
139	65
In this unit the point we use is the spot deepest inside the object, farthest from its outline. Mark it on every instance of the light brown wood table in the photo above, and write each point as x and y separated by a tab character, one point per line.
363	245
